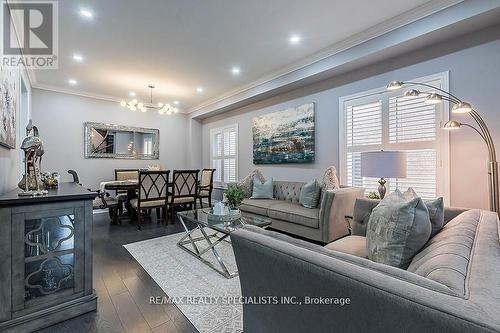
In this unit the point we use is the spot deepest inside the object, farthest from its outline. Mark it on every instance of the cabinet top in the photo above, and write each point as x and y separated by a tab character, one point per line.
65	192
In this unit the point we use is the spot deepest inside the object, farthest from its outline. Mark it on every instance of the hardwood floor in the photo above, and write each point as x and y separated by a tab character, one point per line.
123	287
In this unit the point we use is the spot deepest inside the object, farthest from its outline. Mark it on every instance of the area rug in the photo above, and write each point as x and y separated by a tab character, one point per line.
203	295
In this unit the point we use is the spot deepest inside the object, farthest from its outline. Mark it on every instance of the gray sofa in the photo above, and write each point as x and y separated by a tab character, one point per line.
452	285
324	223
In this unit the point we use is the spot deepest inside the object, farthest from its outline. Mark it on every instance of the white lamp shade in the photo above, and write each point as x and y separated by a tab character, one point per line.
383	164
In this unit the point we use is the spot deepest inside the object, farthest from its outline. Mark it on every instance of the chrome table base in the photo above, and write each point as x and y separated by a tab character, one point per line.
211	240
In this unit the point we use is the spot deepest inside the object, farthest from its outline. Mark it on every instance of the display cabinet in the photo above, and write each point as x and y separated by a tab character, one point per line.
45	258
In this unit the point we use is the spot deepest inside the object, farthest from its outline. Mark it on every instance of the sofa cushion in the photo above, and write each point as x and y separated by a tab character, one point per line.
262	190
355	245
247	182
256	206
294	213
446	256
397	230
309	194
435	208
287	191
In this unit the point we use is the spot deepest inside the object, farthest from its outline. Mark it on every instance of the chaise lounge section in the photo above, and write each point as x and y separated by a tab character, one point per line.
324	223
450	286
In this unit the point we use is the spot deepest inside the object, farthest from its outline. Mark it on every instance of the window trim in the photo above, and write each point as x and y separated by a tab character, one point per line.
442	137
213	131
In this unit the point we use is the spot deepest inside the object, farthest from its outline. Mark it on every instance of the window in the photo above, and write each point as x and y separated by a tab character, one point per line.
383	120
224	154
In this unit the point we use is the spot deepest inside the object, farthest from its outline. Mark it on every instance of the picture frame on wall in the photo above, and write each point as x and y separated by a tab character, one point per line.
286	136
9	90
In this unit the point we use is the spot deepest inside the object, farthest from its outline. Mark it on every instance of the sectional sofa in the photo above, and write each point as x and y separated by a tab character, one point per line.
452	285
324	223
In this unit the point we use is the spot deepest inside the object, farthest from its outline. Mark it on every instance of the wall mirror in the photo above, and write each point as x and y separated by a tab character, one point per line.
116	141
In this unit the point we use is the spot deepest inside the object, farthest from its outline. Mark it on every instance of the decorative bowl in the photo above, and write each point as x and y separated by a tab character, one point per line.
233	215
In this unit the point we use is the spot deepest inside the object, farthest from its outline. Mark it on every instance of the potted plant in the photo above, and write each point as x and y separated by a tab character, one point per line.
234	195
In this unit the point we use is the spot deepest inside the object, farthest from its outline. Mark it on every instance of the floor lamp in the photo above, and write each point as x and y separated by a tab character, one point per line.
461	107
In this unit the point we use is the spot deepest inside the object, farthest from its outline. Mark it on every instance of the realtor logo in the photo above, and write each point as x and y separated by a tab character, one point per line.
30	34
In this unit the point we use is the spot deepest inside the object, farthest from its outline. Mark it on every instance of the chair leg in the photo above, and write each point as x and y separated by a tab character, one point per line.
139	219
158	215
172	214
210	200
194	204
201	203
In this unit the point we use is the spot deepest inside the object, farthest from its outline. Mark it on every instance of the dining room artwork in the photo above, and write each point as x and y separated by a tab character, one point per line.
285	136
8	107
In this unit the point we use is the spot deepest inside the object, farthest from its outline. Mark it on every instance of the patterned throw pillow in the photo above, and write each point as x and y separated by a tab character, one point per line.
330	180
247	182
435	208
397	230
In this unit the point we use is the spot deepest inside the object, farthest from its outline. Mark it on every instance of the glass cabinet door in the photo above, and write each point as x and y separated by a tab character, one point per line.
50	240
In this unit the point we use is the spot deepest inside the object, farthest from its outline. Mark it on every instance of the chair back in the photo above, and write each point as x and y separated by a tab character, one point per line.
76	179
153	185
126	174
184	183
207	179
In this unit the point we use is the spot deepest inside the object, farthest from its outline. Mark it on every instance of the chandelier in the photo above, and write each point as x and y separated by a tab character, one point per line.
134	105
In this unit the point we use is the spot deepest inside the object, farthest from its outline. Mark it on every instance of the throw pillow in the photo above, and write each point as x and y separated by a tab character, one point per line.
247	183
397	230
262	190
435	208
309	194
330	180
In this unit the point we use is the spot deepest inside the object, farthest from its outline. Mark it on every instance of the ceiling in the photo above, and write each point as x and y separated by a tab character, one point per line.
180	45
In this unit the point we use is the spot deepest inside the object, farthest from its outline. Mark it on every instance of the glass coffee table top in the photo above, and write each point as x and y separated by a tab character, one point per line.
201	217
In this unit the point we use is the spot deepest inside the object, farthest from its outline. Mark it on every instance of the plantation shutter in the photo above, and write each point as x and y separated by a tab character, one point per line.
364	132
390	121
413	123
224	142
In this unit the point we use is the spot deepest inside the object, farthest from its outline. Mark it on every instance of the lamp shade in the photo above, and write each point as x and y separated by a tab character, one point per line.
383	164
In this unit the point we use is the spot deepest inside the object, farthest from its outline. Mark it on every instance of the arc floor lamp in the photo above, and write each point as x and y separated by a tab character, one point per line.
462	107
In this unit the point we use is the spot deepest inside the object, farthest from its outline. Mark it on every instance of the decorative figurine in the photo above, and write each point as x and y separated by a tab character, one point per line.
33	152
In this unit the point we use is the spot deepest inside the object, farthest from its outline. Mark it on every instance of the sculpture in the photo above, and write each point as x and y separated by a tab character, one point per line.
33	151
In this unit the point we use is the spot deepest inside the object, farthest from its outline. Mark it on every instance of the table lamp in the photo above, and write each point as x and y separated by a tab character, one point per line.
383	164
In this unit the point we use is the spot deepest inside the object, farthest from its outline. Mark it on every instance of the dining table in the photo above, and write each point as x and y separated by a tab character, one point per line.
131	186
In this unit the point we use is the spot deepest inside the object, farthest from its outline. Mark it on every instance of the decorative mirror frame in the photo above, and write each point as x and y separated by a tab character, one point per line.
87	140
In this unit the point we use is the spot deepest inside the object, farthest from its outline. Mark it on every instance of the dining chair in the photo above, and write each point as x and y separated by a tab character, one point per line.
183	190
152	193
124	174
102	200
205	186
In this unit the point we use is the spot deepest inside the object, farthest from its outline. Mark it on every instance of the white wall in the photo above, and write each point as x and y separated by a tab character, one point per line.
474	75
10	159
60	118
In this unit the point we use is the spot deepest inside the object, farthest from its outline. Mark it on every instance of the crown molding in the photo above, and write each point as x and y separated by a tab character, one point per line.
380	29
80	93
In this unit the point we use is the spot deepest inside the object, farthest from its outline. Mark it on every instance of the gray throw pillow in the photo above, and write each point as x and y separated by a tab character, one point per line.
397	230
435	208
309	194
262	190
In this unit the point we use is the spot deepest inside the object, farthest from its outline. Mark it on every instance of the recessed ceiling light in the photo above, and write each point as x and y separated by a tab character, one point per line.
73	82
77	57
294	39
235	70
132	94
177	102
86	13
199	89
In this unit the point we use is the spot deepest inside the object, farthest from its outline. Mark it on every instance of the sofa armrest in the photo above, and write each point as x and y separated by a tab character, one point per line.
334	207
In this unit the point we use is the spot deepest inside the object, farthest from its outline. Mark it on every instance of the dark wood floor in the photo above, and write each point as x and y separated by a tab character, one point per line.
123	287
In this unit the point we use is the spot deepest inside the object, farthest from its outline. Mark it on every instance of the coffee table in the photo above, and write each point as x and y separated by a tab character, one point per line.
220	232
